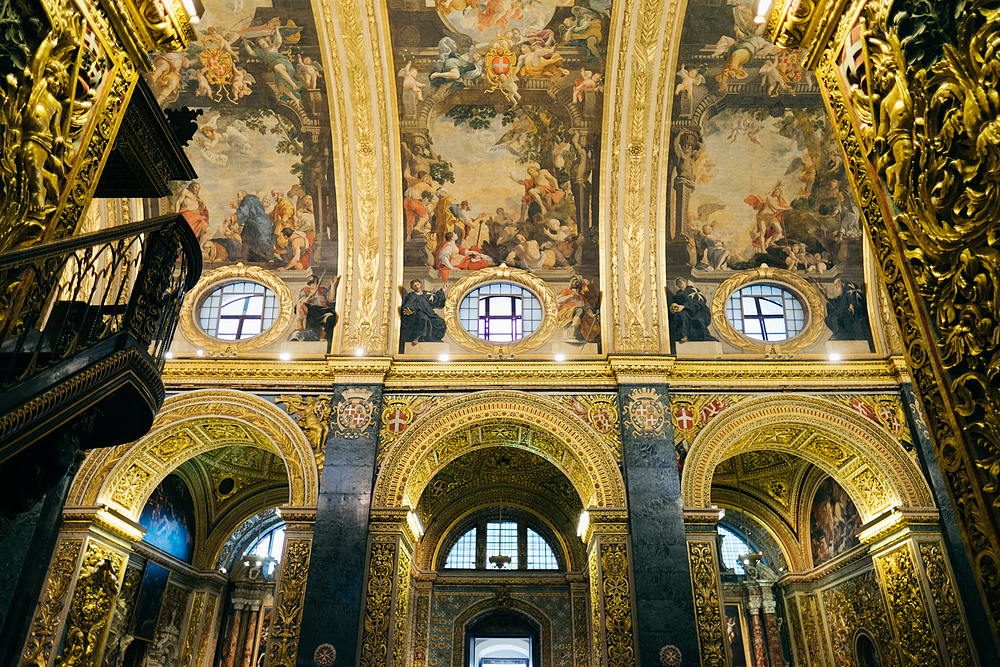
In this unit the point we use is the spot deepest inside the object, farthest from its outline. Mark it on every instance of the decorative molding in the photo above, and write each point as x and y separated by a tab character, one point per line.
496	274
907	607
946	606
229	274
814	303
734	375
378	602
42	640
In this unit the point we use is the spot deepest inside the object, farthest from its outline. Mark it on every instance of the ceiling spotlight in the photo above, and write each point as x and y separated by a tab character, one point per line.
560	357
443	357
169	355
834	356
285	356
201	352
359	352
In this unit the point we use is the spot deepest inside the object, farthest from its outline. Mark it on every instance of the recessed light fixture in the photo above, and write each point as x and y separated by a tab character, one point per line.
359	352
169	355
834	356
285	356
443	357
560	357
201	352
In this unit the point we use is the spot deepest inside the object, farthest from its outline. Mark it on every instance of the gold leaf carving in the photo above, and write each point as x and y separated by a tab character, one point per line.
41	642
284	642
707	607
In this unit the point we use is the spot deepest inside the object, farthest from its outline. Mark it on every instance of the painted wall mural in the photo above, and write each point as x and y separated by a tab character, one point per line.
500	107
168	518
264	193
756	178
834	522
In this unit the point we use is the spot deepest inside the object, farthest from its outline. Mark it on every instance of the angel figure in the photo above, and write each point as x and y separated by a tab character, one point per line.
746	127
312	414
508	86
410	83
588	81
242	81
689	79
308	71
773	78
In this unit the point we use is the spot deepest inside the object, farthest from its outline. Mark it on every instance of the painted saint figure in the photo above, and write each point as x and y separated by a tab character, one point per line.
689	314
255	228
418	321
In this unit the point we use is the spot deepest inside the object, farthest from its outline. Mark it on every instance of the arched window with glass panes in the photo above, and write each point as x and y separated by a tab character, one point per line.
527	542
734	545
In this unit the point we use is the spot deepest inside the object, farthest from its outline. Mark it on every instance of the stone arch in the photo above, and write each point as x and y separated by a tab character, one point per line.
863	457
480	609
533	423
190	424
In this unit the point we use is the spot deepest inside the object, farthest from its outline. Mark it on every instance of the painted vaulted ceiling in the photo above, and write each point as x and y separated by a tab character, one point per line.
630	157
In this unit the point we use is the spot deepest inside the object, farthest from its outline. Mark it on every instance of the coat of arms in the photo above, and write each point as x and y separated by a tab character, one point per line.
603	416
501	70
646	411
354	413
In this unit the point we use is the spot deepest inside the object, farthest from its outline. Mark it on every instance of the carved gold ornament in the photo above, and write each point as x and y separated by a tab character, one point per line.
798	286
213	280
312	413
493	274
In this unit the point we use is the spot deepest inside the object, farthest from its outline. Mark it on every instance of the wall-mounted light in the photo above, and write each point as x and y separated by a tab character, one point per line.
583	523
194	9
763	8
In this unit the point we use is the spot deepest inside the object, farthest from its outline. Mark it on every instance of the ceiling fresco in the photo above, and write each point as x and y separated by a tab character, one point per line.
500	110
756	178
264	193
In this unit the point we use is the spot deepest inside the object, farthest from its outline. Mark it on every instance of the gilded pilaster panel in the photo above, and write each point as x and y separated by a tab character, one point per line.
812	627
704	565
90	607
616	591
797	636
206	629
284	643
48	615
421	627
907	607
401	612
853	605
933	233
197	607
596	611
118	638
378	602
946	606
579	604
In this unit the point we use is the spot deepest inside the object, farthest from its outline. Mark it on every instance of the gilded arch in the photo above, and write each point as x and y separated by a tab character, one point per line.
480	609
490	419
188	425
870	464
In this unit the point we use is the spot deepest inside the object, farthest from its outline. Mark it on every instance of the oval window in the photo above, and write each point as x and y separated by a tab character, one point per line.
766	312
238	311
500	312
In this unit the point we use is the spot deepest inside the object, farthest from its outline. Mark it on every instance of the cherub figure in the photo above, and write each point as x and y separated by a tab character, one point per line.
308	72
313	416
588	81
508	86
410	83
689	79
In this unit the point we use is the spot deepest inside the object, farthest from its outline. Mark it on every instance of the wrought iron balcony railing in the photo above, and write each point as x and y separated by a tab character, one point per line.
78	312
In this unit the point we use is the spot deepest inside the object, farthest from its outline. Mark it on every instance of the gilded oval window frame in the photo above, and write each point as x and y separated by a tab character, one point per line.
500	274
213	280
813	307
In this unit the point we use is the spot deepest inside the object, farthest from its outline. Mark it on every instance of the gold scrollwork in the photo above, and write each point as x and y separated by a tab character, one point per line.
905	600
402	598
43	630
813	301
502	273
228	274
707	608
284	646
90	608
378	605
187	656
949	612
617	598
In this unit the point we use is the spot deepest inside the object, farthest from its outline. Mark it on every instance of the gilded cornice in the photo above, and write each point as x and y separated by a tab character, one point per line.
730	375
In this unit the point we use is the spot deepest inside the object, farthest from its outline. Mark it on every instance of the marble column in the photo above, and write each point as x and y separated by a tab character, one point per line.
332	607
757	631
773	631
232	636
664	603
